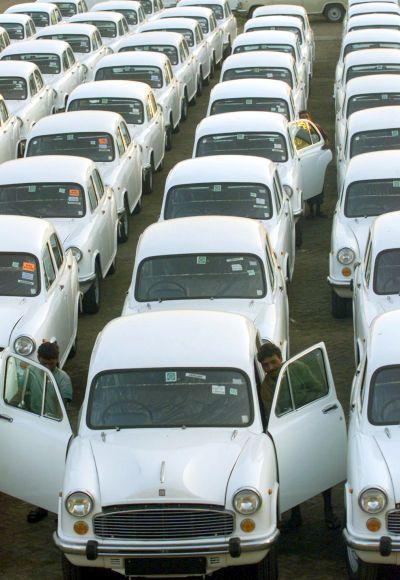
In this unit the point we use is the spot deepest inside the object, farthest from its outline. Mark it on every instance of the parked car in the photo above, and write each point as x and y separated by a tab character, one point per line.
10	134
84	40
155	70
238	186
104	138
130	9
4	39
39	289
371	8
69	193
369	189
42	13
112	26
18	26
252	95
69	8
354	2
56	62
152	8
174	46
372	510
267	65
366	21
333	11
135	102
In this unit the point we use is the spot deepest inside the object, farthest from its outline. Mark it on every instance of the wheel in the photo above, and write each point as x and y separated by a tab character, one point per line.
194	99
334	13
123	224
138	206
359	570
267	569
184	109
168	138
113	268
74	349
91	300
200	84
160	165
338	305
298	235
148	180
212	69
71	572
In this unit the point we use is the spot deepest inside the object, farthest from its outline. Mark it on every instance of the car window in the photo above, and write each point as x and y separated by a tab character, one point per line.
270	265
92	195
384	400
125	134
303	134
277	194
57	250
120	29
2	42
149	110
198	35
98	147
71	57
65	61
372	197
16	30
182	53
387	272
95	45
67	9
286	48
261	144
39	80
19	275
3	112
48	268
230	105
131	110
275	73
32	85
53	18
43	200
368	262
120	142
151	75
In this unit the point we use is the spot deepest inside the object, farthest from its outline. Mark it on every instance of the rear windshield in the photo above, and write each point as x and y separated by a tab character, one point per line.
387	272
250	104
147	6
384	397
365	45
187	34
371	101
193	277
49	64
79	43
95	146
150	75
378	140
278	74
389	26
13	88
268	145
130	109
15	31
216	8
169	51
293	29
130	15
372	198
264	46
203	23
372	69
19	275
106	29
250	200
67	9
40	19
43	200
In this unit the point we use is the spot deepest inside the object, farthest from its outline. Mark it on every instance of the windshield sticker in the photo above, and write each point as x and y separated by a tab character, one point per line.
277	146
31	188
259	292
384	97
70	137
251	272
93	142
218	389
236	267
61	190
252	263
253	194
260	201
233	391
201	260
27	276
395	133
216	188
196	376
73	192
104	101
103	140
28	266
245	419
73	200
396	183
170	377
240	136
15	265
249	101
266	214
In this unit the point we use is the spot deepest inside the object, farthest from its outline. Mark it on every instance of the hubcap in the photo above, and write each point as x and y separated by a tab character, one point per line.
334	13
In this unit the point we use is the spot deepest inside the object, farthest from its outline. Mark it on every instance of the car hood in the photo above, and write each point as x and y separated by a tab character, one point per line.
11	312
190	465
389	447
14	106
68	229
360	229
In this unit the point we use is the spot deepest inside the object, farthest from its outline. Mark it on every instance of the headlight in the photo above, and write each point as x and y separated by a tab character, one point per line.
372	500
76	253
246	501
288	190
346	256
79	504
24	345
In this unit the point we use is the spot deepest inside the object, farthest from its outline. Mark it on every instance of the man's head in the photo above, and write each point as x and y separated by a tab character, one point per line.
48	355
270	358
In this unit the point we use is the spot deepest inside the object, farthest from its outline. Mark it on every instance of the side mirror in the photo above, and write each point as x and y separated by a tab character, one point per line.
21	148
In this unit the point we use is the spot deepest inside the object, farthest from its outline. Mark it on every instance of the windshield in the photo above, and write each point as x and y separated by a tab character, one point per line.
274	47
169	51
366	45
268	145
150	75
130	15
15	31
13	88
278	74
67	9
106	29
384	397
389	26
19	275
387	272
95	146
372	198
40	19
130	109
147	6
293	29
187	34
43	200
216	8
250	104
250	200
371	101
79	43
49	64
173	397
203	23
372	69
378	140
194	277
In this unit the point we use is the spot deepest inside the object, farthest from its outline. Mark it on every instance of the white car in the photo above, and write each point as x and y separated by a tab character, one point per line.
198	46
376	287
39	289
25	93
371	490
266	64
364	93
155	70
42	13
223	15
11	145
355	2
174	46
135	102
195	410
69	8
152	8
56	62
18	26
104	138
252	95
69	193
4	39
371	8
297	147
130	9
368	21
212	33
234	186
112	26
369	189
84	40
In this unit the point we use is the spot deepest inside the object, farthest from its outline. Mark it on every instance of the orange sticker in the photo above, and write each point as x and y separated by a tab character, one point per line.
74	192
28	266
103	140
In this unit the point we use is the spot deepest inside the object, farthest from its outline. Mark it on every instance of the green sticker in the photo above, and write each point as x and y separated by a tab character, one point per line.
217	188
251	272
201	260
395	133
170	377
396	183
32	188
70	137
240	136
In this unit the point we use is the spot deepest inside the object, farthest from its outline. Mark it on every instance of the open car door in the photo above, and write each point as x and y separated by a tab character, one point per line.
308	428
34	432
313	155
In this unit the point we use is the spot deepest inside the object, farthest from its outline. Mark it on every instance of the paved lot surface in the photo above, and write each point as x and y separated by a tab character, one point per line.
27	551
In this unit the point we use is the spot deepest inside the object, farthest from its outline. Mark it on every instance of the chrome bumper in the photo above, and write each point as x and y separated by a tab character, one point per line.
384	545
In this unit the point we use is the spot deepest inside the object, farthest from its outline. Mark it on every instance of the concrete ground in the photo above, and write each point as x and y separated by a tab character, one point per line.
27	551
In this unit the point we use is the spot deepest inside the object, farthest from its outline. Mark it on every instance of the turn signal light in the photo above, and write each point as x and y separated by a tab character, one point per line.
247	525
81	528
346	272
373	524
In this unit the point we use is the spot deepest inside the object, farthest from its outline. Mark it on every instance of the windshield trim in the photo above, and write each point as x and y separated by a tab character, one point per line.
390	94
375	279
86	133
244	133
370	394
39	275
264	100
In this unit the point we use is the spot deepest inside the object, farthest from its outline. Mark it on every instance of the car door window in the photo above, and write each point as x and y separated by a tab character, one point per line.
153	104
65	61
368	263
57	250
98	183
120	28
99	40
32	85
149	110
301	134
92	195
125	134
197	35
39	80
125	26
120	143
48	268
182	53
277	194
3	112
270	266
71	57
53	18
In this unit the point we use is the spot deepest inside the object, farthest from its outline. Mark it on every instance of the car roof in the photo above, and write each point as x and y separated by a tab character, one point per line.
76	121
23	234
261	21
121	4
372	119
143	57
371	19
258	36
268	88
383	346
182	10
246	121
67	28
373	165
106	16
372	8
155	38
372	55
258	58
220	340
368	84
17	68
15	17
36	46
113	88
189	23
371	35
197	2
281	9
32	7
385	232
52	168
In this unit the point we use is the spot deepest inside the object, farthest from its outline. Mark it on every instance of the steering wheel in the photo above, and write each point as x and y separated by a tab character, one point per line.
165	286
393	402
126	407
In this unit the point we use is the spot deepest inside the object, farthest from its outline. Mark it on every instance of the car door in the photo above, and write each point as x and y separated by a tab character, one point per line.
45	95
285	223
172	90
108	210
34	432
98	224
313	155
361	308
8	144
308	428
134	157
189	68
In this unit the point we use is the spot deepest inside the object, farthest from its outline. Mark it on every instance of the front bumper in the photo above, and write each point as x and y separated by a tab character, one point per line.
85	282
385	545
341	287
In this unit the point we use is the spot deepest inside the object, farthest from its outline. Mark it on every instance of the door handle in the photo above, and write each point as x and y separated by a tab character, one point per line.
330	408
7	418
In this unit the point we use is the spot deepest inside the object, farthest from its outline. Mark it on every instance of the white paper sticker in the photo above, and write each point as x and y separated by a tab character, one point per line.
61	190
27	276
252	263
201	260
195	376
70	137
240	136
253	194
259	292
31	188
245	419
277	146
237	381
395	133
236	267
249	101
260	201
233	391
396	183
170	377
218	389
234	259
15	265
251	272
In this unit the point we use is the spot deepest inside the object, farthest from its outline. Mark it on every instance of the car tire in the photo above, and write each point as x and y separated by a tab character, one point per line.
168	138
138	206
73	349
298	235
91	300
148	180
359	570
200	84
160	165
123	224
339	305
267	569
71	572
334	13
113	268
184	109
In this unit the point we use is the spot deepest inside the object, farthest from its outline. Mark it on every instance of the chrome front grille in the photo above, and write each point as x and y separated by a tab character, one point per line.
163	523
393	522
